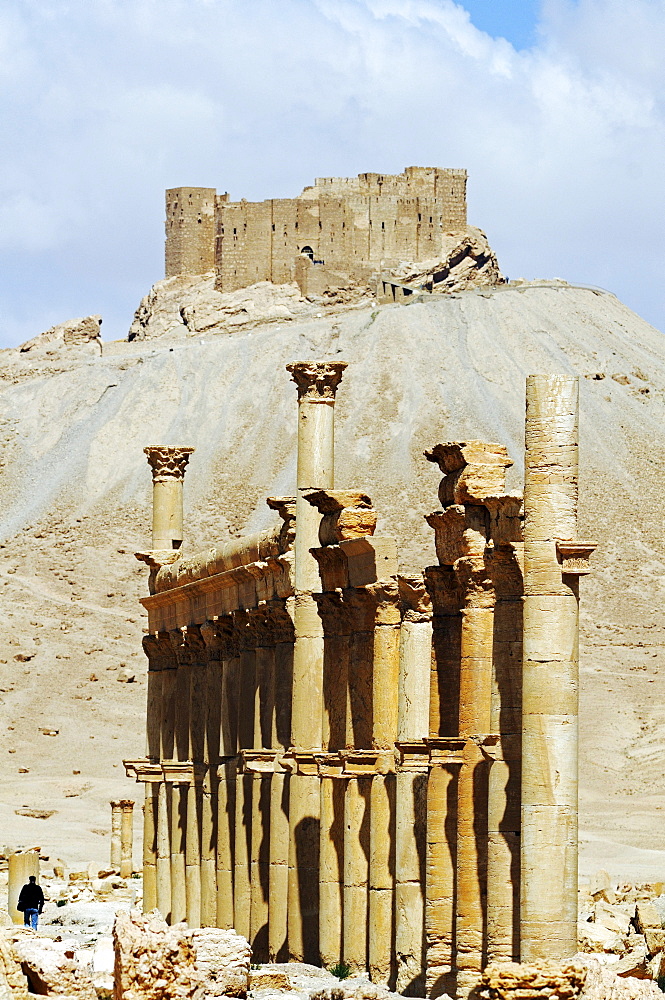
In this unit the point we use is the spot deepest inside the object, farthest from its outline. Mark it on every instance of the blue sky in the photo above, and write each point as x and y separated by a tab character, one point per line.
555	109
515	20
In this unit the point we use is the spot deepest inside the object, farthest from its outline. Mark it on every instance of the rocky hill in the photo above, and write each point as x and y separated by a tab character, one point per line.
75	505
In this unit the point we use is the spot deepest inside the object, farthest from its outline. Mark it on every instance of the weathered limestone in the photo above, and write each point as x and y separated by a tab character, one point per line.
515	981
51	970
548	914
168	472
21	865
153	960
13	984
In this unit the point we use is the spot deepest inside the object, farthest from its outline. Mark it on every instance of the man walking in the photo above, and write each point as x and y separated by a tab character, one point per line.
31	902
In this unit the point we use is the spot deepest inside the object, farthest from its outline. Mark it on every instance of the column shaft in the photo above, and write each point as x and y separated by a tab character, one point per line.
550	675
226	797
149	849
356	872
126	838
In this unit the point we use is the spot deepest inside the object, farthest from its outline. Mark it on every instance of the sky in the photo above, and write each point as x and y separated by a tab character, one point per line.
555	108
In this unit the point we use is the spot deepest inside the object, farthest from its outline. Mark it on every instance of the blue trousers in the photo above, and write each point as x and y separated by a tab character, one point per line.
30	918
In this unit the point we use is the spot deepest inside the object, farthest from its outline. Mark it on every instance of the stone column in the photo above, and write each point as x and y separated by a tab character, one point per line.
503	800
116	823
165	792
179	794
548	906
385	717
126	838
415	656
474	473
356	872
21	864
443	586
195	651
317	385
228	749
168	472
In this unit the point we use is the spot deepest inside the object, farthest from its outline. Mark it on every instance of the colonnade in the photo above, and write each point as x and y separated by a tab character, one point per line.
334	760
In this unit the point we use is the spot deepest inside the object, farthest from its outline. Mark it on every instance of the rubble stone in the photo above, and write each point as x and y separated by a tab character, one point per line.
521	981
13	984
223	958
602	983
51	968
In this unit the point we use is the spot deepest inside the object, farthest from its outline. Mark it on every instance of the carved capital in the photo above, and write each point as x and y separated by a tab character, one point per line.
167	463
574	556
317	381
158	648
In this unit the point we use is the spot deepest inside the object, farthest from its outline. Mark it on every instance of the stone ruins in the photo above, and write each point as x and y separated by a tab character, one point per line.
338	232
349	766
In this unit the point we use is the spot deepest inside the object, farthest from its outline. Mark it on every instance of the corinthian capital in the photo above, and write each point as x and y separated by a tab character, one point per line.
167	463
317	380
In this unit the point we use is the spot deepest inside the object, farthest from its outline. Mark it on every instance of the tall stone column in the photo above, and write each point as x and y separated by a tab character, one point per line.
503	807
194	650
552	562
179	790
442	584
317	384
21	865
278	879
415	655
126	837
165	791
168	472
116	840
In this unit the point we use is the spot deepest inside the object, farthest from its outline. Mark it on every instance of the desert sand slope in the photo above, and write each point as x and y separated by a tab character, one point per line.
75	505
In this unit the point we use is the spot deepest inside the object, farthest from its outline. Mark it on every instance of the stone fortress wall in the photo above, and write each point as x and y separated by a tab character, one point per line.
339	231
348	765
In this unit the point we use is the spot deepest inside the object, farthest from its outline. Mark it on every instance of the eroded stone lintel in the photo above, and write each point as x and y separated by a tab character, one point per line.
184	772
144	770
574	556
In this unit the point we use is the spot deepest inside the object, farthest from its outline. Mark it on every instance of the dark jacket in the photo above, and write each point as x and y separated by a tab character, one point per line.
31	897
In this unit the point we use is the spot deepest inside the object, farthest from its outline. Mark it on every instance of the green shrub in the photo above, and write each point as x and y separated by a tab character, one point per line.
341	970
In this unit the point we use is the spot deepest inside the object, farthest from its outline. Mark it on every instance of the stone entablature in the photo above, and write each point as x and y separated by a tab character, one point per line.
337	232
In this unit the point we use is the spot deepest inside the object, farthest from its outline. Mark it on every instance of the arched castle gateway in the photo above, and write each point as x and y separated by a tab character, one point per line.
340	231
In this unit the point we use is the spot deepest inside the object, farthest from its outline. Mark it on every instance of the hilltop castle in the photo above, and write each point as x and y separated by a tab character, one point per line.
338	232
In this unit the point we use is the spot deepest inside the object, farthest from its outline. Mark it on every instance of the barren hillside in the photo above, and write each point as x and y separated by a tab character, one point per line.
75	505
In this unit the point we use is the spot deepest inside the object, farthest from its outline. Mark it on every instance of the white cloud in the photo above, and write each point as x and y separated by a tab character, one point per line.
106	104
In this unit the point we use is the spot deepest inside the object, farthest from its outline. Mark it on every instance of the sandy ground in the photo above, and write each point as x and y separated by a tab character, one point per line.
75	505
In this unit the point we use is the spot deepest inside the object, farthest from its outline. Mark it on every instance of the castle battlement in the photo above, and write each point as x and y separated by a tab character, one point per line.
337	232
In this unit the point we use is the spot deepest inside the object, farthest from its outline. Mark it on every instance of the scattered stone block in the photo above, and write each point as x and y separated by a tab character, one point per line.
223	958
646	916
521	981
13	984
51	968
655	939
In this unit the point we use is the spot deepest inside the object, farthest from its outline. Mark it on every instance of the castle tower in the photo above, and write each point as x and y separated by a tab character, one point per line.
190	231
